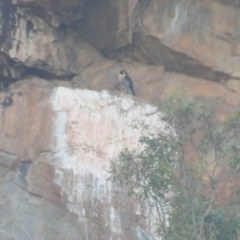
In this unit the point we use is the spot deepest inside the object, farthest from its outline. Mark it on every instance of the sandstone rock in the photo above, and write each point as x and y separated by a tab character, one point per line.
57	145
57	52
40	182
151	51
123	16
63	11
153	83
234	85
60	142
19	126
56	142
32	46
207	31
7	160
103	75
86	140
25	213
155	32
10	70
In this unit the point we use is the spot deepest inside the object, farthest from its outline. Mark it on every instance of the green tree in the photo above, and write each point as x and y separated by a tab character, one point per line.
176	171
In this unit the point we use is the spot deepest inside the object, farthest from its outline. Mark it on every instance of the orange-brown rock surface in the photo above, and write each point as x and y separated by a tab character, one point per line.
56	146
56	140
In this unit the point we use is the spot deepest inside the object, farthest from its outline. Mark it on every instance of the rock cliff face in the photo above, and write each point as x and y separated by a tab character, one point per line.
59	39
57	144
56	141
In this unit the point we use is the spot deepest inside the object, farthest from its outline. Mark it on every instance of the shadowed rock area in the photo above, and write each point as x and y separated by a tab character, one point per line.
58	41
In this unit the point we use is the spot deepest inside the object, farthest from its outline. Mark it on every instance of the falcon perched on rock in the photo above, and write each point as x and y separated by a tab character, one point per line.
125	83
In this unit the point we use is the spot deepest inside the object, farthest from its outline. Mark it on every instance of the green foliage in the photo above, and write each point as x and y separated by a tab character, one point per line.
222	225
175	172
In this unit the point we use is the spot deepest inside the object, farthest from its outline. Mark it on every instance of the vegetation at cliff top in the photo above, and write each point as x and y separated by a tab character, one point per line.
178	171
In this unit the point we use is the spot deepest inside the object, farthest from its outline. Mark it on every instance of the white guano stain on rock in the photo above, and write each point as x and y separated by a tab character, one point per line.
91	128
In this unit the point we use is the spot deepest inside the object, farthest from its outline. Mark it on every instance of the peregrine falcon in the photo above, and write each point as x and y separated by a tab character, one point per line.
125	83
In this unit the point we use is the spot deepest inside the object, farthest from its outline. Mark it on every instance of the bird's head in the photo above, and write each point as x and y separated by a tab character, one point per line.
122	74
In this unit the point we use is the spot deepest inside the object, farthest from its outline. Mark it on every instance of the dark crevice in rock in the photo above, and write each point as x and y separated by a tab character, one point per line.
231	2
32	193
26	161
29	27
5	82
7	20
138	11
149	50
23	171
12	71
47	75
37	195
8	101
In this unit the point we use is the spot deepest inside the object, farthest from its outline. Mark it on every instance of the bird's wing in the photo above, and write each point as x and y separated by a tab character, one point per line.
130	84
